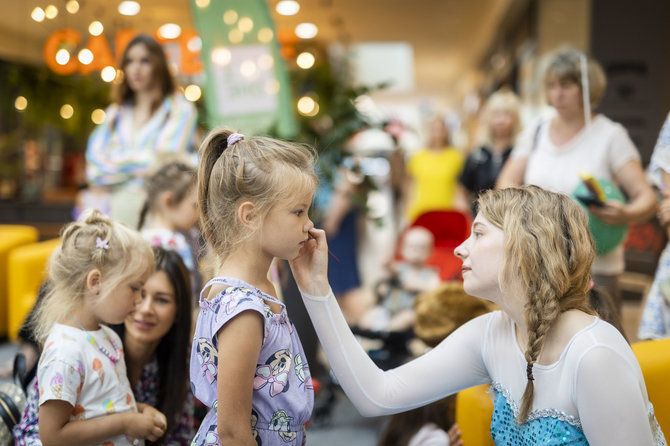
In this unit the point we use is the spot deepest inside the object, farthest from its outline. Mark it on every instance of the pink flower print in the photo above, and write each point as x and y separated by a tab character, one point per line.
56	384
172	243
264	376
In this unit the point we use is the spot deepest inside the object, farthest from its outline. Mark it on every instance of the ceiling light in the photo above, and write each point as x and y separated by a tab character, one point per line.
72	6
192	92
62	56
230	17
305	60
98	116
108	74
287	7
37	14
85	56
306	30
51	12
169	31
96	28
21	103
129	7
66	111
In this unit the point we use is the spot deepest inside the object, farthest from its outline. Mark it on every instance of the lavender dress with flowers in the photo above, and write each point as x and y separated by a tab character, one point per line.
283	396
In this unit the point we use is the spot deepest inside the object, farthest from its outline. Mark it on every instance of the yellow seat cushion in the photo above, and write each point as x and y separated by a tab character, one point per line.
11	236
654	359
26	268
474	409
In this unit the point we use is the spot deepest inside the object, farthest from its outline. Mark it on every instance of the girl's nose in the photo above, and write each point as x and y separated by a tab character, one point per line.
309	225
461	250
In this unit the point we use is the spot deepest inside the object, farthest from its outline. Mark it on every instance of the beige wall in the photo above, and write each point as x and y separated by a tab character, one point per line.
561	22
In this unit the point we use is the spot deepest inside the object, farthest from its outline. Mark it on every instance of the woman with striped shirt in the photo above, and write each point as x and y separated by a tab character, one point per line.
147	120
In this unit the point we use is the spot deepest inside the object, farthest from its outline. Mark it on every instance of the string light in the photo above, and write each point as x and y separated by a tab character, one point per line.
62	56
307	106
98	116
72	6
108	74
245	24
51	12
85	56
66	111
265	35
95	28
235	36
37	14
21	103
221	56
305	60
192	92
230	17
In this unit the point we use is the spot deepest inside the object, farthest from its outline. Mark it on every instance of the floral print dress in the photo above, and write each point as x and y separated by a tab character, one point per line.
283	395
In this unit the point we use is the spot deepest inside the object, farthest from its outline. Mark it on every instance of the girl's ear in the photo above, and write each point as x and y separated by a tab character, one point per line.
246	212
166	200
93	279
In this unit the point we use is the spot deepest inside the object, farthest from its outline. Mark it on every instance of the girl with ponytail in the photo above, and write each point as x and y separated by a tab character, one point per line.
247	363
559	374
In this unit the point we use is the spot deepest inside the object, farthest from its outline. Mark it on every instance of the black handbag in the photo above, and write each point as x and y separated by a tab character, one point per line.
12	401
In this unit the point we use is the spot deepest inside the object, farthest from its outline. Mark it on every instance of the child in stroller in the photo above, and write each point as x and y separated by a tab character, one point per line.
392	318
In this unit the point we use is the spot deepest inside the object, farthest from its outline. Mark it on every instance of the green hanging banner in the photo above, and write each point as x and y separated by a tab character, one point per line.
247	85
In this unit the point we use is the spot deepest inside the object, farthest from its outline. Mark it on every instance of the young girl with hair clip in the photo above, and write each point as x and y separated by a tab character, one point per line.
247	363
155	339
96	276
170	213
559	374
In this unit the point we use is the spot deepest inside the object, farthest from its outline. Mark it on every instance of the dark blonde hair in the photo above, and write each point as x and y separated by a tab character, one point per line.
565	65
161	73
441	311
548	254
127	255
175	177
259	169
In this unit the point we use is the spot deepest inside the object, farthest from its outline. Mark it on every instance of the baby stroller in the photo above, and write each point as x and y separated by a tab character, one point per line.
450	229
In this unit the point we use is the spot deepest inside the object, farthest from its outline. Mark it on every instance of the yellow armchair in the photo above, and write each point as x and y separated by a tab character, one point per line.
26	268
11	236
654	359
474	409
